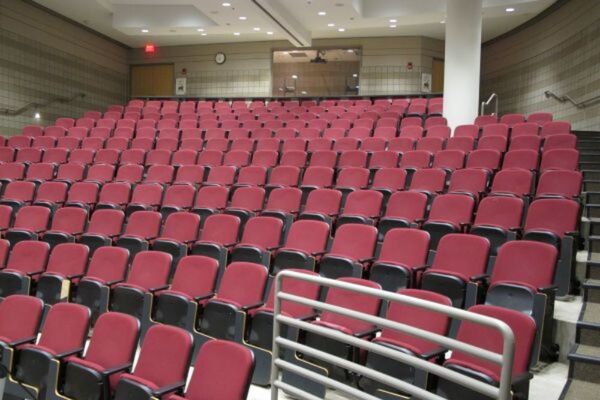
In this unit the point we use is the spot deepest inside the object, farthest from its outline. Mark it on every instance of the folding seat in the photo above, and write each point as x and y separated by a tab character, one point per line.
262	235
283	203
162	365
29	155
87	122
7	154
372	144
106	123
191	133
470	131
483	120
113	116
344	124
352	178
104	227
513	182
267	144
437	131
93	143
495	130
316	178
11	171
559	183
127	133
251	175
107	156
70	143
489	339
195	144
351	252
295	144
99	132
63	334
529	142
70	172
521	159
567	159
449	160
288	132
190	175
242	289
552	128
413	345
469	181
450	213
144	144
188	123
246	202
221	175
431	144
168	133
331	133
28	311
40	172
261	133
162	174
487	159
411	121
319	144
238	133
30	223
210	158
353	158
323	158
177	198
184	158
130	173
560	141
19	142
382	159
117	143
540	118
82	132
415	159
114	195
296	158
68	224
6	217
402	144
313	133
100	173
208	123
385	132
362	207
210	200
411	131
26	262
96	374
44	142
388	180
273	125
346	144
18	194
55	131
180	230
158	157
32	130
512	119
498	143
356	328
403	210
359	133
429	181
320	124
525	129
167	144
265	158
499	218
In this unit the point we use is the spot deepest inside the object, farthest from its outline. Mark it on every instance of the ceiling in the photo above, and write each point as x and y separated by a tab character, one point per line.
182	22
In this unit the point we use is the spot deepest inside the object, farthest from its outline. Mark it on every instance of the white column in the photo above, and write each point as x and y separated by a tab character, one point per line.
462	61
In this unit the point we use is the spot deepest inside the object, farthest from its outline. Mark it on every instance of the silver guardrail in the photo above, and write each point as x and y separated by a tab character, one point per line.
279	364
40	105
484	104
566	98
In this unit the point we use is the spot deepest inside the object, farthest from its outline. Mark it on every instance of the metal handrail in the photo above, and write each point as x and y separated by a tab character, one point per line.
505	360
39	106
578	104
484	104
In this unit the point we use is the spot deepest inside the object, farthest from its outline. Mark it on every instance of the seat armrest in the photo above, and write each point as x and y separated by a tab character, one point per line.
169	388
110	283
204	296
434	353
274	248
421	268
420	220
251	306
318	253
116	369
75	276
22	341
365	260
35	273
368	332
481	277
229	244
69	353
163	287
548	289
523	377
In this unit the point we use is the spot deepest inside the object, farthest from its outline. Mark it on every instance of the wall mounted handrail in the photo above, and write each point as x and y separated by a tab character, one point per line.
566	98
39	106
486	103
505	360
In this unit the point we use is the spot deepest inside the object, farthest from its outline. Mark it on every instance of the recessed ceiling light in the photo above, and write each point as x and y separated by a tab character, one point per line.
269	33
322	13
303	92
443	21
236	33
256	29
331	25
350	51
145	31
392	26
510	9
294	76
200	30
393	21
286	52
226	4
355	75
341	29
203	34
242	18
37	115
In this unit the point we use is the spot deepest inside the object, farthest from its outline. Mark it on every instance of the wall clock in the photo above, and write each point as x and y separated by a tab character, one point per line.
220	58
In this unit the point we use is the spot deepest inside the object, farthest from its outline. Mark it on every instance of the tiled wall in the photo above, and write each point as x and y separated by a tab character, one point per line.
560	52
43	57
247	71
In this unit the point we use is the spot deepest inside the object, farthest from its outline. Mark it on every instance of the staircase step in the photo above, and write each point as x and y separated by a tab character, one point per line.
593	267
585	363
592	290
588	326
594	240
578	390
591	185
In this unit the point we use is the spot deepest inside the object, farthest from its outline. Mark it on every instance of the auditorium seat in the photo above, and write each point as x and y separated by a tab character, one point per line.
449	159
469	181
104	228
177	198
246	202
499	219
559	183
142	227
323	205
513	182
388	181
114	195
361	207
26	262
18	194
210	200
262	235
430	181
179	231
528	142
403	210
305	243
30	223
450	213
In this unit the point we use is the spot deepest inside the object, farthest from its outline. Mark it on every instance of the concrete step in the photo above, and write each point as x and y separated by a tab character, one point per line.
593	174
591	185
591	290
585	363
588	326
589	164
579	390
593	267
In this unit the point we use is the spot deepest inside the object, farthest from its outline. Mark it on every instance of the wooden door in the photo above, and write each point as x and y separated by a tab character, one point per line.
152	80
437	78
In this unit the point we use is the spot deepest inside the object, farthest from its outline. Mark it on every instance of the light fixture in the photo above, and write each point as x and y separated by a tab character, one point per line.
286	52
145	31
242	18
236	33
443	21
322	13
331	25
393	21
269	33
200	30
392	26
355	75
256	29
303	92
37	115
350	51
510	9
294	76
203	34
226	4
341	29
